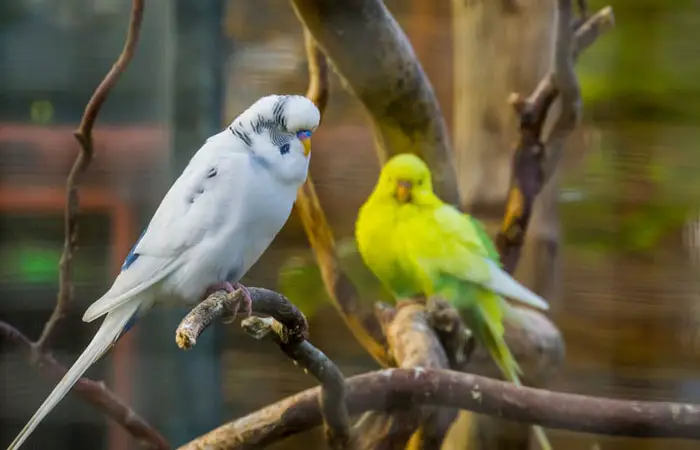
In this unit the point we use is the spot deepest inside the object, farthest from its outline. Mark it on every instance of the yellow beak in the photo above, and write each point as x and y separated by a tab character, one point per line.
307	146
403	191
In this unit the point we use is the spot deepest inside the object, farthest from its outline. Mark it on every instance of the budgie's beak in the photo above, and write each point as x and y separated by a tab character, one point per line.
403	191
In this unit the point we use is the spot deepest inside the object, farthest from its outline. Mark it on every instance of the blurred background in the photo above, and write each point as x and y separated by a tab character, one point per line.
628	204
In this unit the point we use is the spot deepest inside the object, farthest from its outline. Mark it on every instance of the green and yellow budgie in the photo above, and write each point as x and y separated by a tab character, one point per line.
416	244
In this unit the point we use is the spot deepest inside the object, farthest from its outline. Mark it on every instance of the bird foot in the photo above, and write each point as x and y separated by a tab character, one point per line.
231	288
247	299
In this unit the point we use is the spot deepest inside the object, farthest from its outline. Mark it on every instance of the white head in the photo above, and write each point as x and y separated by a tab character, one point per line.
277	130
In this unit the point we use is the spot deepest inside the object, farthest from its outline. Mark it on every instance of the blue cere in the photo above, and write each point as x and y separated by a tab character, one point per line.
303	134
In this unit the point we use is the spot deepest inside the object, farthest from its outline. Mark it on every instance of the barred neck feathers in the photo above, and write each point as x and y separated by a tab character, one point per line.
272	129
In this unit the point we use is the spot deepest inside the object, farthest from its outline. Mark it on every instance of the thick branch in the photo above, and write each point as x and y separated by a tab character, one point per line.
398	389
414	345
302	352
95	393
221	305
84	137
531	166
341	290
376	62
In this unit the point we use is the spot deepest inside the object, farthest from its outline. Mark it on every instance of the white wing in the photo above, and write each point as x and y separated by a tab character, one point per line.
196	204
193	205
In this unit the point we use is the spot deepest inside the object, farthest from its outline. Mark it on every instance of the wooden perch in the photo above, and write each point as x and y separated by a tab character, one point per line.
399	389
332	398
413	344
416	345
287	326
222	305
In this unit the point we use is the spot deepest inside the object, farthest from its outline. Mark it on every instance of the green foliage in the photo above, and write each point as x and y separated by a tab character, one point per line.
646	66
30	263
300	280
658	160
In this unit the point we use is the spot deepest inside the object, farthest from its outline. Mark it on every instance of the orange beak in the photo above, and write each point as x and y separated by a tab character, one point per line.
307	146
403	191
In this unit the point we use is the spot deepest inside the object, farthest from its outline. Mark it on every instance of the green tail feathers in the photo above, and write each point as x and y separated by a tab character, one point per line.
483	312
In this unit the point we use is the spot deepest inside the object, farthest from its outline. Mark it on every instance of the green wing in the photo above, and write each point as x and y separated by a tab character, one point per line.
449	242
484	237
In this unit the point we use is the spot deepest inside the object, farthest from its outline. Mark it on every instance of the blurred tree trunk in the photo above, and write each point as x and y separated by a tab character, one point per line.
500	47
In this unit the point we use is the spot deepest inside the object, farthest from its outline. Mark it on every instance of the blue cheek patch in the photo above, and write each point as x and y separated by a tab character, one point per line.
131	257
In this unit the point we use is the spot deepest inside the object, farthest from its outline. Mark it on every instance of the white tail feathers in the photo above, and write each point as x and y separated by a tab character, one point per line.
104	338
505	285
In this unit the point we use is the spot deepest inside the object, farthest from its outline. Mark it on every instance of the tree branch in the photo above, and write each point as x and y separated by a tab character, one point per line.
95	393
388	80
221	305
398	389
302	352
339	286
287	326
531	165
319	89
414	345
84	137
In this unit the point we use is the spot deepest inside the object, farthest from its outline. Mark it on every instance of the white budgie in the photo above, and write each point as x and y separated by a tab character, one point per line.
213	224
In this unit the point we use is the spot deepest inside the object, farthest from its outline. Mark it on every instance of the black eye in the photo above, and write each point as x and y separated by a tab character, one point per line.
284	149
419	182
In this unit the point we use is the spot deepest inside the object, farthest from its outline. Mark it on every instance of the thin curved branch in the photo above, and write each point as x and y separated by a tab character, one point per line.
84	137
319	86
535	158
287	326
339	286
302	352
398	389
221	305
93	392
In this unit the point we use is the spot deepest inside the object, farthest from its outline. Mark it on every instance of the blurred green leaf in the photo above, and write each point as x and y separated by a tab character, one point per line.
645	67
300	280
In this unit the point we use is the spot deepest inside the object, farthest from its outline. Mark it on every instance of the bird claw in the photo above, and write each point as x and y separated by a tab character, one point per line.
247	300
225	286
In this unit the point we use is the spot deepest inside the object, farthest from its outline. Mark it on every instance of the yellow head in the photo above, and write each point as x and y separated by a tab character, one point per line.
406	179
